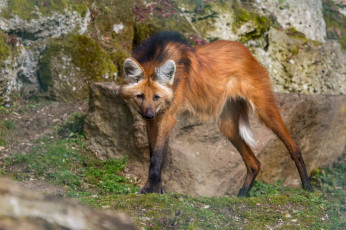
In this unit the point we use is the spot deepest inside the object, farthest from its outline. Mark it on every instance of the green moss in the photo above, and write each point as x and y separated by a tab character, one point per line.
73	127
118	55
294	50
85	53
7	129
45	77
144	29
342	42
335	22
30	9
242	16
5	49
110	13
115	12
167	17
294	33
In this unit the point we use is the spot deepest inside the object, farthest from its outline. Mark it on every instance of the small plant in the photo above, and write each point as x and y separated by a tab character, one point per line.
10	125
260	188
330	179
3	142
73	127
5	109
7	128
283	5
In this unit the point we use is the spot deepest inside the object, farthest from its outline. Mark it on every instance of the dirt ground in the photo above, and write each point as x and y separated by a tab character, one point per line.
34	121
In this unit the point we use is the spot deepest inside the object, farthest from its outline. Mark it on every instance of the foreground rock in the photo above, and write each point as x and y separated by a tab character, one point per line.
200	161
22	209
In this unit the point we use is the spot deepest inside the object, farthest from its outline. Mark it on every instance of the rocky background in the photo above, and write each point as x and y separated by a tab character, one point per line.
57	48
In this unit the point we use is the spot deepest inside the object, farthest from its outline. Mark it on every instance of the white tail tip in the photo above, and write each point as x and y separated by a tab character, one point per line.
246	132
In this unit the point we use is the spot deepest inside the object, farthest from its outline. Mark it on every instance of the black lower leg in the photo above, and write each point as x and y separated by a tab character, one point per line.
154	182
250	179
302	171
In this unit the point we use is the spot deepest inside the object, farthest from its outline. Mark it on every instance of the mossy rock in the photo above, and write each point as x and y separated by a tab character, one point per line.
5	54
195	20
210	20
259	24
33	9
113	26
71	64
145	29
5	49
164	16
335	23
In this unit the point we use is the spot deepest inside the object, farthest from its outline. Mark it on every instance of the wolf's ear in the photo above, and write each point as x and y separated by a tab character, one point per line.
133	73
165	73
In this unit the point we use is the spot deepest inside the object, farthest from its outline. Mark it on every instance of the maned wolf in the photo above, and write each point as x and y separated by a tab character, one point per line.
220	80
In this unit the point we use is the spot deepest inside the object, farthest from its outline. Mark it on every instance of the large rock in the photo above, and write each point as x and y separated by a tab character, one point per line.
305	16
69	65
296	64
38	33
200	161
27	210
29	25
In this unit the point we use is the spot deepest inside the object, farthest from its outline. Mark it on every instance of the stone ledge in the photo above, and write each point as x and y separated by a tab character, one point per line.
25	209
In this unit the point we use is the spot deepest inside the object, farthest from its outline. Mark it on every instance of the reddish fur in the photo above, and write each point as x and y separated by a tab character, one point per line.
222	80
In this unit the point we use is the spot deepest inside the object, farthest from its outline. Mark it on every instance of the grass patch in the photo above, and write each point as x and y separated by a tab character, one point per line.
5	109
9	125
64	162
268	207
7	128
73	127
175	211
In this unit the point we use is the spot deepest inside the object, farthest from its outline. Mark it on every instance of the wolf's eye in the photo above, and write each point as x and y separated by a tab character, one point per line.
140	96
156	97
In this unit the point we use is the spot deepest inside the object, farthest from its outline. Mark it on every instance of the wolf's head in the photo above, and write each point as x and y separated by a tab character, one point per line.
149	90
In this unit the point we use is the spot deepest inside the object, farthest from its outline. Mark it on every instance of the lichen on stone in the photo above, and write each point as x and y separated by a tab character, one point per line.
227	20
336	23
73	63
107	14
5	49
257	25
33	9
157	16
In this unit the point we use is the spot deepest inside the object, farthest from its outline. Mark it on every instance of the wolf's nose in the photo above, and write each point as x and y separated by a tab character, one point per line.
149	114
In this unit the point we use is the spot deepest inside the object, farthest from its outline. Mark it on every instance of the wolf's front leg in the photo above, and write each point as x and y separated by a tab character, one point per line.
158	131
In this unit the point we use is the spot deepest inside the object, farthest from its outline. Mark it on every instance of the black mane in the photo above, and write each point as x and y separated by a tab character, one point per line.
147	50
